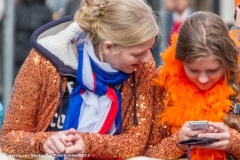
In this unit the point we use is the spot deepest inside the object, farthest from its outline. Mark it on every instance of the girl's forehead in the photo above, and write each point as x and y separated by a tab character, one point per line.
206	62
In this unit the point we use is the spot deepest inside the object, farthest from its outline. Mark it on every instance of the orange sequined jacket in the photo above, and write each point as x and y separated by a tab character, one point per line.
163	144
36	96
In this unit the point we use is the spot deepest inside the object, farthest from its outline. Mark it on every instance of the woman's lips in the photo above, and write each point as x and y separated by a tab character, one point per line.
135	65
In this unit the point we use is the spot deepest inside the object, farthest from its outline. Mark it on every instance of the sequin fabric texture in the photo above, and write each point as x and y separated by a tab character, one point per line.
161	143
36	96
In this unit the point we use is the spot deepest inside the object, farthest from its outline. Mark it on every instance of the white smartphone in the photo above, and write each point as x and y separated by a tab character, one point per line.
199	125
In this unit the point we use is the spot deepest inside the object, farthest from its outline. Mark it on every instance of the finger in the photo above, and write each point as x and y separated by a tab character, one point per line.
210	135
218	125
194	133
63	135
50	148
78	147
60	146
219	145
73	138
57	145
58	142
70	131
211	130
219	136
69	144
47	149
216	131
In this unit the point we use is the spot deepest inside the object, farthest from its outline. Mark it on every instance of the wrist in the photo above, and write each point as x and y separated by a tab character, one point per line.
177	140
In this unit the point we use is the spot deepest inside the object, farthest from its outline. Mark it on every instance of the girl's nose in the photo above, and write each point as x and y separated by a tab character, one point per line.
203	78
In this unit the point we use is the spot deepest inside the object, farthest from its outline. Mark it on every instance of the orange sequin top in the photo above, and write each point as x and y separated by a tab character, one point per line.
36	96
163	141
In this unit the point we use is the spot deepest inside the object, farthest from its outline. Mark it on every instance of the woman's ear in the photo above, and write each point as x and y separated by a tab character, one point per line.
108	48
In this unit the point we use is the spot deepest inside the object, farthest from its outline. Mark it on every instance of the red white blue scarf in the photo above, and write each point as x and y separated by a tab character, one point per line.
95	106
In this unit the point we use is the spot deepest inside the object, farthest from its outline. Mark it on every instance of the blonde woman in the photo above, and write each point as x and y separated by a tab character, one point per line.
85	87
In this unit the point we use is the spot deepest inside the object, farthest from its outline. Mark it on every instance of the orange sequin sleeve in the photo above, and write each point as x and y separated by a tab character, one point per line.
161	143
23	131
234	143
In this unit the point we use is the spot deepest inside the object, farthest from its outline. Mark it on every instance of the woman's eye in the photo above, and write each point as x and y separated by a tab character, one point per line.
136	55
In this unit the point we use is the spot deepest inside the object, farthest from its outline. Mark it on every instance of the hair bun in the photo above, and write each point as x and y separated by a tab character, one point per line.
91	12
122	22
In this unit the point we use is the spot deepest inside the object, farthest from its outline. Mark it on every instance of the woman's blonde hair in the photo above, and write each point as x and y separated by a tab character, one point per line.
124	23
205	33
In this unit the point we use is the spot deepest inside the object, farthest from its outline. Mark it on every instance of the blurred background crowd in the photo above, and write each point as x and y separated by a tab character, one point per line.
19	18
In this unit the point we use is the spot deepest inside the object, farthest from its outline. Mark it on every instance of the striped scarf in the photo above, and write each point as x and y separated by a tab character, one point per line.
95	106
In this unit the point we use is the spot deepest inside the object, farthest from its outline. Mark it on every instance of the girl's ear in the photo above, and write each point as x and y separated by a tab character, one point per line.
108	48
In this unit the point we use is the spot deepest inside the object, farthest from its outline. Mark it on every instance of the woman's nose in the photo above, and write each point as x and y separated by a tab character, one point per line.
146	57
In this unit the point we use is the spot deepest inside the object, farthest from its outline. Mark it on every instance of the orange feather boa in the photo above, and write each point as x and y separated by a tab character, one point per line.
185	102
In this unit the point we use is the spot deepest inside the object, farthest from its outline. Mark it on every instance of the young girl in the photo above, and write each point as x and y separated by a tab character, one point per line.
198	81
85	87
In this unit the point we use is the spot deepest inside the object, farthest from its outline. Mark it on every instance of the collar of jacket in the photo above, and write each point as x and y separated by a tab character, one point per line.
54	41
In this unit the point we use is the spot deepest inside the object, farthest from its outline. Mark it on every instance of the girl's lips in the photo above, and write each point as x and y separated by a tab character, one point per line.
204	84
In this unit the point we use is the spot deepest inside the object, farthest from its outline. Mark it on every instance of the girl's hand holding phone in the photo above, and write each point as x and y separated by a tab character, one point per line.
202	125
191	130
223	136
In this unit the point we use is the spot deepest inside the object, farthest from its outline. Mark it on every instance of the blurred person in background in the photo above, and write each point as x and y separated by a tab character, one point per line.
30	15
155	4
180	14
57	7
169	9
1	9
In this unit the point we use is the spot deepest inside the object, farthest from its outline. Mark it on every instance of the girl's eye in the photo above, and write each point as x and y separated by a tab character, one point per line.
194	71
212	71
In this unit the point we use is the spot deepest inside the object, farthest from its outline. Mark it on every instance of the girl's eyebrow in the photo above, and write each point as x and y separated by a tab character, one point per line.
207	69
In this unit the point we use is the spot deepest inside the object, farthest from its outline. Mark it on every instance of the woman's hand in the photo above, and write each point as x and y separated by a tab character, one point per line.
57	143
76	149
223	136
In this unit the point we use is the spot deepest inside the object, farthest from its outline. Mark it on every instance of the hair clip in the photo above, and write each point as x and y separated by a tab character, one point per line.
236	108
